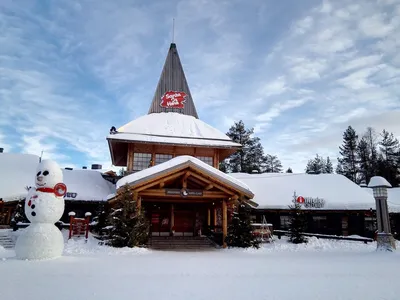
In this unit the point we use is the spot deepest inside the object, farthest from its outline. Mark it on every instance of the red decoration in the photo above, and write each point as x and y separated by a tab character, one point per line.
173	99
60	189
79	226
300	199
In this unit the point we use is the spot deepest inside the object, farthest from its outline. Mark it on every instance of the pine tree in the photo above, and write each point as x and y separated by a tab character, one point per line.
289	170
128	226
250	156
99	222
297	223
272	164
388	160
316	165
347	163
19	215
328	166
364	161
240	230
370	137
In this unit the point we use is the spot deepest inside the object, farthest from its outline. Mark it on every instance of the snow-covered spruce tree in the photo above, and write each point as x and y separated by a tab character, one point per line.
128	226
297	223
240	230
19	215
289	170
99	223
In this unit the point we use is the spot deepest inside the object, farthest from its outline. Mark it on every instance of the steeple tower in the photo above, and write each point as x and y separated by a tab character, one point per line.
172	93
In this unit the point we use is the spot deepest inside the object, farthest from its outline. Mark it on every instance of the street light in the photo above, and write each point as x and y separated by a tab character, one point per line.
385	240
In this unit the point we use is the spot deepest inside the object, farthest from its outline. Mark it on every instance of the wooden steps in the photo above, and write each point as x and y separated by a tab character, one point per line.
181	243
6	239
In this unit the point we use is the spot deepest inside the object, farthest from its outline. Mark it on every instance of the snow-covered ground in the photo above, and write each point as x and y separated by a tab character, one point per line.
319	270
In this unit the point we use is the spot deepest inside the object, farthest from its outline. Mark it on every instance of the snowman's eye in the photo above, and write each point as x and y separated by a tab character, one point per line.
45	173
38	174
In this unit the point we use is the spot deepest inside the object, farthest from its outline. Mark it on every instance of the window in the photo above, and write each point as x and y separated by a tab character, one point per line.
320	222
160	158
141	161
285	222
207	159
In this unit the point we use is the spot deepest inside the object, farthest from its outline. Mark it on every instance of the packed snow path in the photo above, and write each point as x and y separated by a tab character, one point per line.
321	270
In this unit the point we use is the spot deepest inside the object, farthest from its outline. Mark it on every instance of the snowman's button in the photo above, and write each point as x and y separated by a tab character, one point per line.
33	206
33	213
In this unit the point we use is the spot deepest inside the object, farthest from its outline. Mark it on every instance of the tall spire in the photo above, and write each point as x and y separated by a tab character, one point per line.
172	93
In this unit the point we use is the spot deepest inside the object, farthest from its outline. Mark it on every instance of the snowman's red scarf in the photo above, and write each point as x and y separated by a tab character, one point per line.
46	190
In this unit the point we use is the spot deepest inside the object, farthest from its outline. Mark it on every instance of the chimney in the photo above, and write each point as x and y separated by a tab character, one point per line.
96	167
69	168
1	150
84	167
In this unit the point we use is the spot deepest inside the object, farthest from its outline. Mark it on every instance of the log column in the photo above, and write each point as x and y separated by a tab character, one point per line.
138	201
172	218
224	221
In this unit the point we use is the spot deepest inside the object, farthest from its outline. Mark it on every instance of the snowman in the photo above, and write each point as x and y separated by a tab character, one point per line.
44	206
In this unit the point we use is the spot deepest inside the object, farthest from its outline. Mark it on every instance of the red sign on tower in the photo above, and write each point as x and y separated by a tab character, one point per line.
173	99
300	199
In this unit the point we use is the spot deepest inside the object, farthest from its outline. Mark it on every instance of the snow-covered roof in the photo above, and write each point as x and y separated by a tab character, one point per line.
378	181
275	190
178	162
393	199
86	185
172	128
18	171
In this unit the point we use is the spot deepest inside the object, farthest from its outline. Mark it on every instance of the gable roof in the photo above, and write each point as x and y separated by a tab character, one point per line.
275	190
178	163
173	79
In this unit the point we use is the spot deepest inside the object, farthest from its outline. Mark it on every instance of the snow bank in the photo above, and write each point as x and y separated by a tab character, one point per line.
78	247
275	190
177	162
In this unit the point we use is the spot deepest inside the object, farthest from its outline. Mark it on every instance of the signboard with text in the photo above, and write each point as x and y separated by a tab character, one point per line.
184	192
310	202
173	99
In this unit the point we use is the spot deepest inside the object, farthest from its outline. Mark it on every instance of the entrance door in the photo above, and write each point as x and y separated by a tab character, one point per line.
160	221
184	223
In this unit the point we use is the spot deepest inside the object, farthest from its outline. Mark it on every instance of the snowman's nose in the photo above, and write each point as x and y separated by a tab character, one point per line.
40	178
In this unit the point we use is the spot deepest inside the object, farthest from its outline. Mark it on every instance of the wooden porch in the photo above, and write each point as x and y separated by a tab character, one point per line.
187	201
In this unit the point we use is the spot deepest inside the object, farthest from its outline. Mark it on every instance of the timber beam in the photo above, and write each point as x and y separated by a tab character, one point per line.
163	193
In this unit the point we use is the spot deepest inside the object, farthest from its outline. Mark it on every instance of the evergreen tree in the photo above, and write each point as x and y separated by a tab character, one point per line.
223	166
128	225
328	166
19	215
272	164
240	230
99	222
370	137
297	223
364	161
289	170
316	165
388	160
250	156
347	163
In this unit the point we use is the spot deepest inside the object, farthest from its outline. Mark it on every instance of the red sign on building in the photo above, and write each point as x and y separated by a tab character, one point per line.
300	199
173	99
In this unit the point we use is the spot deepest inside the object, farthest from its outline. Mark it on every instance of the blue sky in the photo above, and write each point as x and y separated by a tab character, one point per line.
299	72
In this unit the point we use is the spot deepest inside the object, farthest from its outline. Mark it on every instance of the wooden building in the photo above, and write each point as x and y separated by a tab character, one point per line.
173	157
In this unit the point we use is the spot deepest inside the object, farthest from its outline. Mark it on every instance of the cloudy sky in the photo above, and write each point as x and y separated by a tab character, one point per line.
299	72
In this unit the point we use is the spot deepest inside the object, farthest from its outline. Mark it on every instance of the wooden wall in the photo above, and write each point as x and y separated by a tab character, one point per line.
172	150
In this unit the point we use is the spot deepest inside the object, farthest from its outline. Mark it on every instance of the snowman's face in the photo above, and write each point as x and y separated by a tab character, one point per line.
48	174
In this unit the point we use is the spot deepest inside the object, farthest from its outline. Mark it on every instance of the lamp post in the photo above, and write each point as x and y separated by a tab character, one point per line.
385	239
